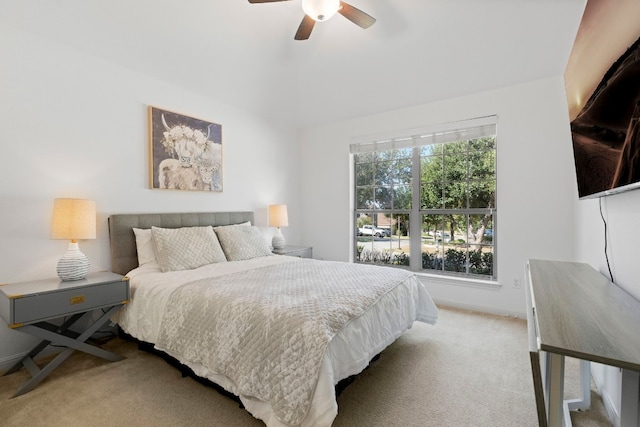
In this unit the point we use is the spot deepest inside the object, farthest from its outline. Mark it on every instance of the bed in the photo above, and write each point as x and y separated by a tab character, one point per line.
278	332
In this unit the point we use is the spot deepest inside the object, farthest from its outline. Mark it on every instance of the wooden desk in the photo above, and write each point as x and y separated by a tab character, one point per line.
575	311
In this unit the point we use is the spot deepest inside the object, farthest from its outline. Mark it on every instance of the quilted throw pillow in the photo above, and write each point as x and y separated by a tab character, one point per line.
186	248
241	243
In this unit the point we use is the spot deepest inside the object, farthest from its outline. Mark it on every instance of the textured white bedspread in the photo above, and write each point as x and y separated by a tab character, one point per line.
367	332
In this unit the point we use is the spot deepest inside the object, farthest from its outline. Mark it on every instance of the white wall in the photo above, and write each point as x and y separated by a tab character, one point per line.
536	183
621	213
72	125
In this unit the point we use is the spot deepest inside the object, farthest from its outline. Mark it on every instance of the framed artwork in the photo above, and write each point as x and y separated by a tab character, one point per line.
186	153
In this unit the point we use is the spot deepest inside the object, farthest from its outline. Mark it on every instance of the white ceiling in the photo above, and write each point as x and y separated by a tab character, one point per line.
244	54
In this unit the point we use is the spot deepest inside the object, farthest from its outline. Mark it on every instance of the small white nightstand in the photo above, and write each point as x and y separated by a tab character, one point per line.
28	306
297	251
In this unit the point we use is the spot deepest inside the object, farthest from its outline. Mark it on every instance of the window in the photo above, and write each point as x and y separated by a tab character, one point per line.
428	201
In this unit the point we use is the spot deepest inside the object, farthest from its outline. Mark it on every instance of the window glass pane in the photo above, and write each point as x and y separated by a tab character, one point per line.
401	240
364	174
383	239
481	229
402	171
402	197
381	156
455	147
383	197
363	157
432	226
455	167
481	260
431	169
431	149
486	143
482	194
482	164
481	244
384	173
431	195
404	153
455	195
364	198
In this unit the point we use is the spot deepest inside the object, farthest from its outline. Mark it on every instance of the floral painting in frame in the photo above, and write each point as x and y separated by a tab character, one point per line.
186	152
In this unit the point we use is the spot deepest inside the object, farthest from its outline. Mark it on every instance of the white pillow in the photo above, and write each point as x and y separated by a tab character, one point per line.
144	245
186	248
241	243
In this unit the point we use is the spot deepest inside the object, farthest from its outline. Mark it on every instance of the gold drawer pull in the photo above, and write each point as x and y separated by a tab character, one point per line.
76	300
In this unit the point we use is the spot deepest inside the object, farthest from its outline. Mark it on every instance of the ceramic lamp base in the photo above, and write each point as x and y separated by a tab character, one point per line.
74	265
278	240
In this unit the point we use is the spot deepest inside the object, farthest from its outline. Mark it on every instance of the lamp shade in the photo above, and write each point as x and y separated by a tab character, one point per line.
320	10
278	216
73	219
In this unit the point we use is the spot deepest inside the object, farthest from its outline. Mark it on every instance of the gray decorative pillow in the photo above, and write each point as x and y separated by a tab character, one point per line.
241	243
186	248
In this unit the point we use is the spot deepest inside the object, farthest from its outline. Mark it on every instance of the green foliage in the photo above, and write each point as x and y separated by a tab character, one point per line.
401	259
364	220
385	257
458	175
455	260
383	179
480	263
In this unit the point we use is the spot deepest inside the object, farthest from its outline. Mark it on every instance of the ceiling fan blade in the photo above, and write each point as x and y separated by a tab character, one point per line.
355	15
265	1
304	30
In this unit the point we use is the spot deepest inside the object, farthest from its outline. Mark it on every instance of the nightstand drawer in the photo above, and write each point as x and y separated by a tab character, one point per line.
36	307
302	253
295	251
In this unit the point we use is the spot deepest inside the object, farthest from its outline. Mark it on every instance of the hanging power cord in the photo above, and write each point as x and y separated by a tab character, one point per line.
606	254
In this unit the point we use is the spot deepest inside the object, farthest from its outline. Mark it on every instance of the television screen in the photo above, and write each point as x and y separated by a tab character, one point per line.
605	67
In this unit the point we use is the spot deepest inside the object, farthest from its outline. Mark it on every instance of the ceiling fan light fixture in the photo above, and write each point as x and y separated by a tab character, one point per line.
320	10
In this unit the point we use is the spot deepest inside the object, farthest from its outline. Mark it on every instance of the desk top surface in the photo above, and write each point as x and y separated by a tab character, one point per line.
580	313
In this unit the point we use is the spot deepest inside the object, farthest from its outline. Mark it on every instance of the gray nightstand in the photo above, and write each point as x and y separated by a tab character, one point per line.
297	251
28	306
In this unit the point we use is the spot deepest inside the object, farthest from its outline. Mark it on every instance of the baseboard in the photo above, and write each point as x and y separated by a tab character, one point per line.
7	362
478	308
612	413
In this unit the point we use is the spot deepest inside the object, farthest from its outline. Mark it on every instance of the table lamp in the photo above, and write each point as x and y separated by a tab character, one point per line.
278	218
73	219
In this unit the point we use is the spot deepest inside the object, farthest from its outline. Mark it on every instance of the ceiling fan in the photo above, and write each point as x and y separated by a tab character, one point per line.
321	10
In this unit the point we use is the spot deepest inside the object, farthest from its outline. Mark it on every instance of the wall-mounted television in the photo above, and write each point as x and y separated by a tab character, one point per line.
604	69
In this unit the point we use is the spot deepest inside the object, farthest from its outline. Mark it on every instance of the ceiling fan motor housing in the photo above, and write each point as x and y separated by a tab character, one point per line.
320	10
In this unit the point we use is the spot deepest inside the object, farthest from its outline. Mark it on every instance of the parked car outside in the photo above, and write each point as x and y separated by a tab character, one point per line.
444	237
370	230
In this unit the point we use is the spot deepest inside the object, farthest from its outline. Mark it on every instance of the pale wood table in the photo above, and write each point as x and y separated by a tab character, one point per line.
573	310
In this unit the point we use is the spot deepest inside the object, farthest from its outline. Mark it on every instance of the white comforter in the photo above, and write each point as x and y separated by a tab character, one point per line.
348	352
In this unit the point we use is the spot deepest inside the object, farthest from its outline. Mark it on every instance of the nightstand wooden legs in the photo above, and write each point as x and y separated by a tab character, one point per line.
60	335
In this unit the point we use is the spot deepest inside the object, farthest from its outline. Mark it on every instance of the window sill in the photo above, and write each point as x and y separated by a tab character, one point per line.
460	281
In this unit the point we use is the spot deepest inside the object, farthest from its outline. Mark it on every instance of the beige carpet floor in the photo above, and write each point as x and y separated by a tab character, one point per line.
469	370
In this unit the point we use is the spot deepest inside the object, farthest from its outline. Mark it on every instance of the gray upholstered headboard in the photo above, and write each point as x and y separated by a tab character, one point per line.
124	255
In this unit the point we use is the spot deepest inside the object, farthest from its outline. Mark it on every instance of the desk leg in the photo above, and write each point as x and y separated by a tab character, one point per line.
555	384
584	402
629	398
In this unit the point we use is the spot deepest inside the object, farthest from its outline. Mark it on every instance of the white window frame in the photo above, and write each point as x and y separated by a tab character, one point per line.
416	138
